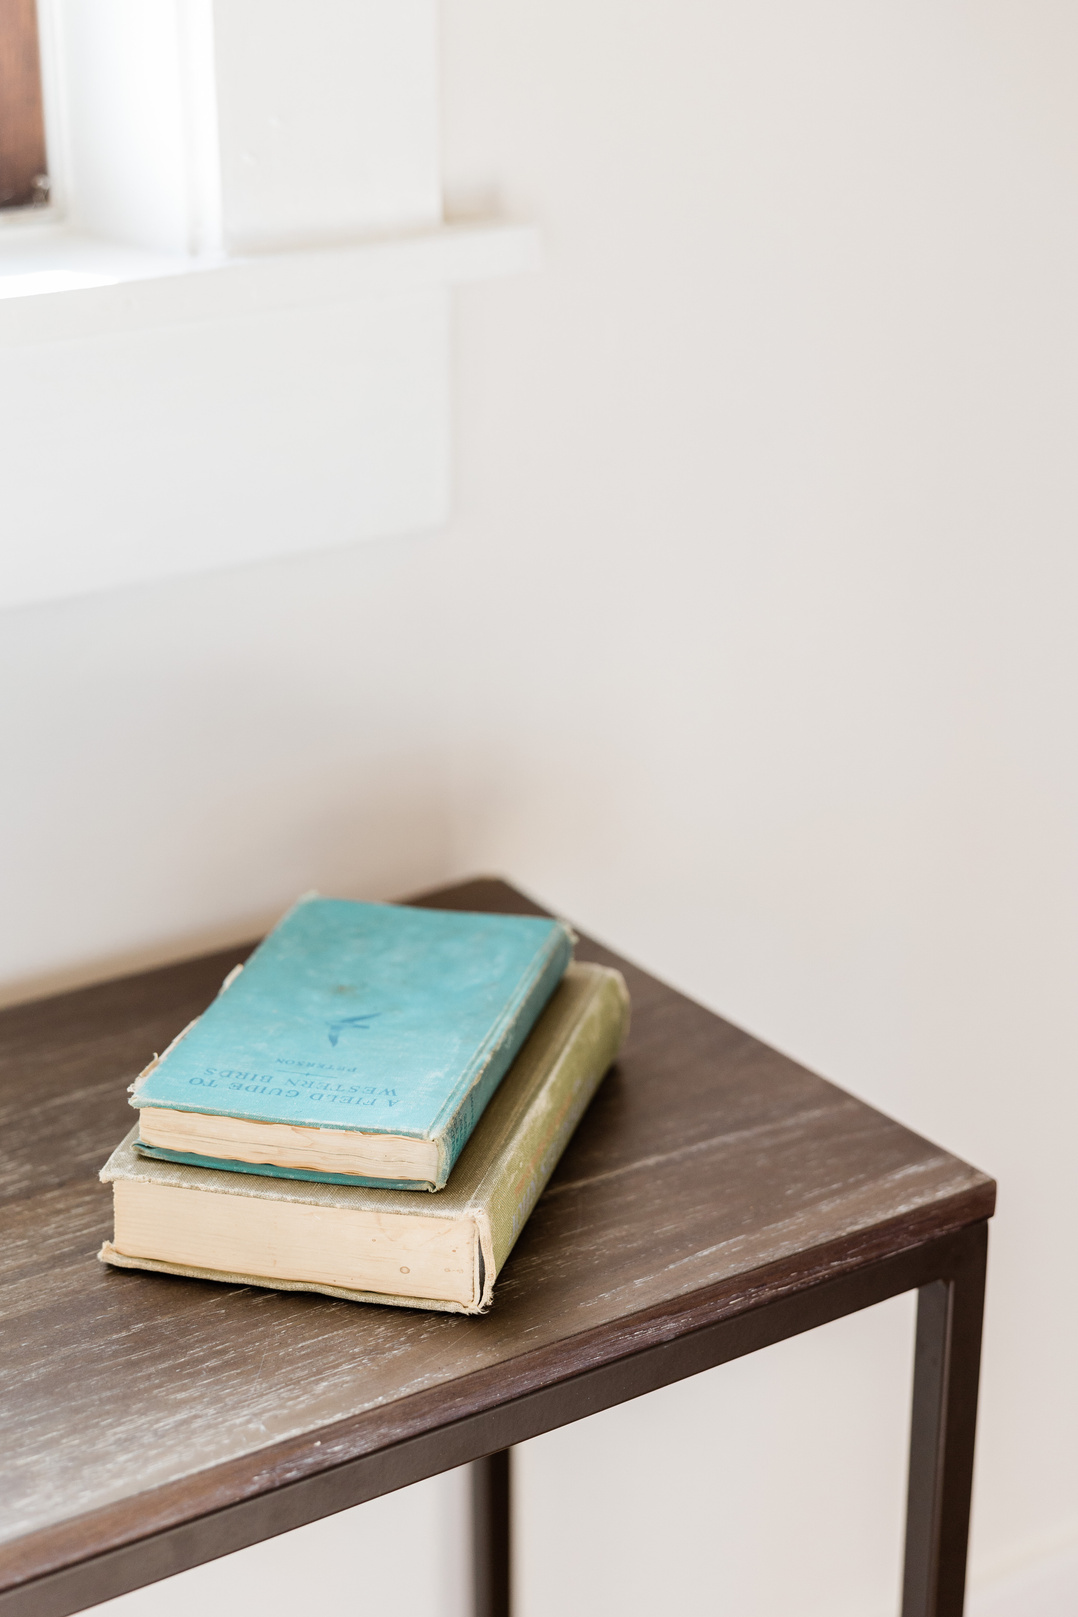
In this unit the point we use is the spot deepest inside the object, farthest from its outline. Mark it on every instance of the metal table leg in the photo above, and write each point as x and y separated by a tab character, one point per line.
946	1372
490	1534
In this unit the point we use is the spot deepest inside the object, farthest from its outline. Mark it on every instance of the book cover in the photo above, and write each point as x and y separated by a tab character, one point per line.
403	1248
375	1019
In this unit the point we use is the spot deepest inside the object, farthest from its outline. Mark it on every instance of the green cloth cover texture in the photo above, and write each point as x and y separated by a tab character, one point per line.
374	1017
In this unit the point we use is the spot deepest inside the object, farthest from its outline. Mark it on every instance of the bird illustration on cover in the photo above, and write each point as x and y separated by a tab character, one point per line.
337	1027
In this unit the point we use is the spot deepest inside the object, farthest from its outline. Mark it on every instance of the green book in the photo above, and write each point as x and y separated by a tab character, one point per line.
384	1246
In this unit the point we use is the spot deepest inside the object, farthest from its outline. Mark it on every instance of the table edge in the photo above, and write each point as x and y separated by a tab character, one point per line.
144	1516
204	1493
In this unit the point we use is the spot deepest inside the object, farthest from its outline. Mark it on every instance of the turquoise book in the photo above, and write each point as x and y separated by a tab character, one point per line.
359	1045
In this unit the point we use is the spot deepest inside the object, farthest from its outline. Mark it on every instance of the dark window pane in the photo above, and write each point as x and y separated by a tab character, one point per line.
22	126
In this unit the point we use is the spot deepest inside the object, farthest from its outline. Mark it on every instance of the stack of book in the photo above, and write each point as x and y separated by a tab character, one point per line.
370	1107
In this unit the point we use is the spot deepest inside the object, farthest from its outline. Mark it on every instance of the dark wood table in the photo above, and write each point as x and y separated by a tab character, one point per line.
716	1198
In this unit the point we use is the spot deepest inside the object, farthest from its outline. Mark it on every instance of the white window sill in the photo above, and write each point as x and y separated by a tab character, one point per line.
57	284
176	407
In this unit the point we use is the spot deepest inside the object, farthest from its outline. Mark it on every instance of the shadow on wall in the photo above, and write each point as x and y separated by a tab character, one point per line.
381	839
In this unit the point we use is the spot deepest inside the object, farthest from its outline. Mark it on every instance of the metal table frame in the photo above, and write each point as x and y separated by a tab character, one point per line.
949	1275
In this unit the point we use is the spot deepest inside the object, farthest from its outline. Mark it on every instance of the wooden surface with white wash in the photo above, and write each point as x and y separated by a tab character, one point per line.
710	1176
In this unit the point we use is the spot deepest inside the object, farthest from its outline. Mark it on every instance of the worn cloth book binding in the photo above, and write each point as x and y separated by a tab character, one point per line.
417	1251
360	1043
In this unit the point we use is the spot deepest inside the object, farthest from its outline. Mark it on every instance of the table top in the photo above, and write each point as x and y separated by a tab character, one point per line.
709	1175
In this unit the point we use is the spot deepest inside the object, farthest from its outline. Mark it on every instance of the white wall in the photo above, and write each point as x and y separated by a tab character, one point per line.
751	647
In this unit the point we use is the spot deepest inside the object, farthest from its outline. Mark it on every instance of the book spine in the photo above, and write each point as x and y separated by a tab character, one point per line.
453	1135
513	1183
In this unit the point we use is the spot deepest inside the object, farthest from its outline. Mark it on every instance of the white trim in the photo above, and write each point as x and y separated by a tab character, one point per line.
201	137
109	288
52	97
232	334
